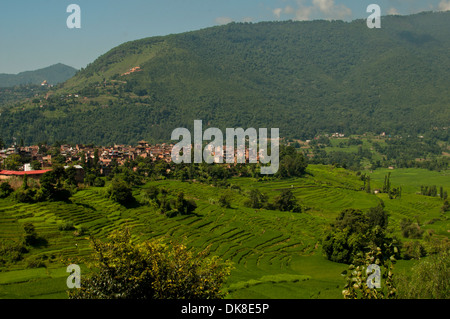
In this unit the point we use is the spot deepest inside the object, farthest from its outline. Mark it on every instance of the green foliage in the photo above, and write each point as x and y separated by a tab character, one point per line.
292	163
125	269
430	278
12	162
66	225
53	185
445	207
120	191
54	74
410	229
249	75
256	199
287	202
30	233
413	250
224	201
354	232
5	189
357	286
11	252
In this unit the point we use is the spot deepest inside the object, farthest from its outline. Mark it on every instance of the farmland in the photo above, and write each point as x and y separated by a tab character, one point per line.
275	254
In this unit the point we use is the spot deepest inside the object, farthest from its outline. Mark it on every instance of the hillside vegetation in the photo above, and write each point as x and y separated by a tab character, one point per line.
275	254
53	74
305	78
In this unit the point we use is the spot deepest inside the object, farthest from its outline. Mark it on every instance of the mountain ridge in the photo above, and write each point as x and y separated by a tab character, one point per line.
53	74
305	78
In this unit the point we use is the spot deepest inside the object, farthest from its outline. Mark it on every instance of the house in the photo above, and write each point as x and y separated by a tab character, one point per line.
36	175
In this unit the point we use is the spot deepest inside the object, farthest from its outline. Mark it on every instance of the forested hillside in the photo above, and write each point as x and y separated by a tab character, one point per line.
53	74
302	77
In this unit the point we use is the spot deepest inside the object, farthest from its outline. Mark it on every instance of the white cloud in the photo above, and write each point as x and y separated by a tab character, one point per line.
444	5
223	20
325	8
277	12
247	19
392	11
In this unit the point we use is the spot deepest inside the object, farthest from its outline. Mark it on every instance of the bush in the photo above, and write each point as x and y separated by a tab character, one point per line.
286	202
99	182
413	250
5	189
119	191
410	229
151	270
429	279
65	226
36	262
224	201
25	195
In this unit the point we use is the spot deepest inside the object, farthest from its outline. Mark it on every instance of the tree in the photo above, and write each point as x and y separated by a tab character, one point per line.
292	163
119	191
30	233
52	185
429	278
360	278
377	216
354	232
256	199
36	165
13	162
286	202
125	269
5	189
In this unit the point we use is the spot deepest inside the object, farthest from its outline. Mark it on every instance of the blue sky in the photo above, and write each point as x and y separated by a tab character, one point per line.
34	34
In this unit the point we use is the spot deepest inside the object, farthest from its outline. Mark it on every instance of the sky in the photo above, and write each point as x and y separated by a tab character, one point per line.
34	33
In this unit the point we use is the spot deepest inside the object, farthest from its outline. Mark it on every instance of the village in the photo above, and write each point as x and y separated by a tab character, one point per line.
36	160
40	159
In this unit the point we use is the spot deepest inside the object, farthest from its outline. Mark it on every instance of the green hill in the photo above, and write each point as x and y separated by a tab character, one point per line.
275	254
302	77
53	74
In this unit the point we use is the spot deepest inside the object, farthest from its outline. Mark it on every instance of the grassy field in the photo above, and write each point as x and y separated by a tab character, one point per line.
275	254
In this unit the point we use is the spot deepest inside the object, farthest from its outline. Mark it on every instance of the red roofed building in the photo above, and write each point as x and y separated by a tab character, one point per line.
33	174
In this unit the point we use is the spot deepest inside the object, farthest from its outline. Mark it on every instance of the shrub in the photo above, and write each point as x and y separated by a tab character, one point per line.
151	270
67	225
36	262
410	229
413	250
119	191
429	279
5	189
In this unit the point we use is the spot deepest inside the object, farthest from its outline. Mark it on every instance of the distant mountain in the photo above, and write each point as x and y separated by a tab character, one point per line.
304	78
54	74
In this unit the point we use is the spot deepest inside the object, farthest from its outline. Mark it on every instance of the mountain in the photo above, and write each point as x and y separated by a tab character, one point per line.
302	77
54	74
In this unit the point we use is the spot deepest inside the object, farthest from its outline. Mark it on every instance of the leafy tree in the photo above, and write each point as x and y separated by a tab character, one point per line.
360	286
256	199
410	229
5	189
286	202
120	191
36	165
125	269
30	233
52	185
430	278
445	207
13	162
353	233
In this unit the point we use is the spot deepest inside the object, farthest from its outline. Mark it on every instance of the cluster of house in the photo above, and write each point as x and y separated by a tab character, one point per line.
105	155
117	153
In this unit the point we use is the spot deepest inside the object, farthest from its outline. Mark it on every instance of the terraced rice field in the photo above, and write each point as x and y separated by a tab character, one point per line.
275	254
